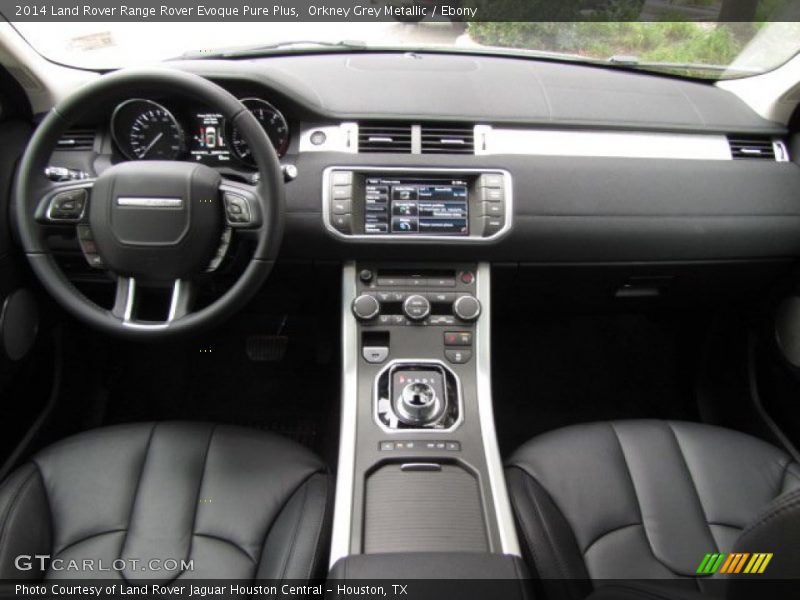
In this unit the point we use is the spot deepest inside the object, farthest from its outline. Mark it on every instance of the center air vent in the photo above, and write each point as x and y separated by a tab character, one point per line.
752	148
448	140
76	139
384	138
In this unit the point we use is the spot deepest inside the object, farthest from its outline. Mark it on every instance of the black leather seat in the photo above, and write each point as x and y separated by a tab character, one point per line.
648	500
238	503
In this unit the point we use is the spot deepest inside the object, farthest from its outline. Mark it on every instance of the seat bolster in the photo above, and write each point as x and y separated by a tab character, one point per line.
776	530
297	543
25	524
548	542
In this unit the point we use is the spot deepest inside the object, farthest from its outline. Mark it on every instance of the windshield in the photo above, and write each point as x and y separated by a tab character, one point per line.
698	49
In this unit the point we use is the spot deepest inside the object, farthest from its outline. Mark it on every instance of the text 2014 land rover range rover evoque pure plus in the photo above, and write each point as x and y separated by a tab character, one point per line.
517	323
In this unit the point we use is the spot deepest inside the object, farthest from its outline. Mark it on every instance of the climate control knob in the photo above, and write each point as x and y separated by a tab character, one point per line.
416	307
467	308
366	307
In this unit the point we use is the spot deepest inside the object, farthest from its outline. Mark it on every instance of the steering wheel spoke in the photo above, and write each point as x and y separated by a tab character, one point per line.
126	303
65	204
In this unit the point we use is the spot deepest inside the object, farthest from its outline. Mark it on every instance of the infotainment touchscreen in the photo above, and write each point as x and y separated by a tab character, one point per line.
403	206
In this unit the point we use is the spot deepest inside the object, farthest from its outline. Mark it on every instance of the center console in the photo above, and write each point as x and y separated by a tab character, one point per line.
419	467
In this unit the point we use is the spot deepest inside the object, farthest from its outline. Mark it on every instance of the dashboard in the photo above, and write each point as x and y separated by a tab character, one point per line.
143	129
598	165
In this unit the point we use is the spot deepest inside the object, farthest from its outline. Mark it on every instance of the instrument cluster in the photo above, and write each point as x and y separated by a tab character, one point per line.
144	129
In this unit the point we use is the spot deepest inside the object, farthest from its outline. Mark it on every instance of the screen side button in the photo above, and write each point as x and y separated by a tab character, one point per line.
491	180
341	207
342	223
342	178
492	225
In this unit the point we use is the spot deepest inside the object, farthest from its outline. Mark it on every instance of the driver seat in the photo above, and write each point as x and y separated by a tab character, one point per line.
220	501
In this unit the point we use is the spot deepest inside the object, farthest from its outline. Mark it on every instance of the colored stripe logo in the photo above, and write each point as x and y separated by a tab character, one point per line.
734	563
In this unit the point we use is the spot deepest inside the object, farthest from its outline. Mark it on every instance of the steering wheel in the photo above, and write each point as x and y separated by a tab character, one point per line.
151	224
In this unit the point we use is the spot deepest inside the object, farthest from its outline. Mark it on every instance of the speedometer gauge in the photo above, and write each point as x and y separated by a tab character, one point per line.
145	130
274	125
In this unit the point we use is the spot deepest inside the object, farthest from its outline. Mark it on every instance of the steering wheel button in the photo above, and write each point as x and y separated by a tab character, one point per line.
68	205
236	209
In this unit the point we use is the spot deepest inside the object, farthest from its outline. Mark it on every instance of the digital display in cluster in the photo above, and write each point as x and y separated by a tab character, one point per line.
209	138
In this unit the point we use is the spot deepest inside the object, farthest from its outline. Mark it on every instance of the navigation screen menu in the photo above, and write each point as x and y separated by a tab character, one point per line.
416	207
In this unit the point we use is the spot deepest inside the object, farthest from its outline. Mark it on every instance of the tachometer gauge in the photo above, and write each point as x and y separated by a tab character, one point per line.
274	125
145	130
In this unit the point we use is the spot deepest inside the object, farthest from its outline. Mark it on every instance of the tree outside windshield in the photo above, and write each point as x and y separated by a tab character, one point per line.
735	49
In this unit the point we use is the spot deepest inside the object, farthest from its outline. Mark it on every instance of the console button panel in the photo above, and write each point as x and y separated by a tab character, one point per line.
429	312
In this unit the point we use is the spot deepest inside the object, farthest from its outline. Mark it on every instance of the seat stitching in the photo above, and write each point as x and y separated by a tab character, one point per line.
636	496
285	503
85	538
13	504
200	489
790	502
607	533
296	528
691	480
729	525
786	472
136	490
227	541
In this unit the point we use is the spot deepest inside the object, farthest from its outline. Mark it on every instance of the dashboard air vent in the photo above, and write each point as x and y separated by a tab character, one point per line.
391	137
454	139
751	148
76	139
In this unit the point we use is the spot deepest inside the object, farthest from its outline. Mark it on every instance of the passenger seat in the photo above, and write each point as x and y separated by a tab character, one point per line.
609	502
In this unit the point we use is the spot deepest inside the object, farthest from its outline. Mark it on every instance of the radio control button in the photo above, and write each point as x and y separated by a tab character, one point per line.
442	282
391	281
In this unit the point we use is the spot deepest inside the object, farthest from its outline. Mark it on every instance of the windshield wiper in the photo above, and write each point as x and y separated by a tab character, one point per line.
260	49
634	63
